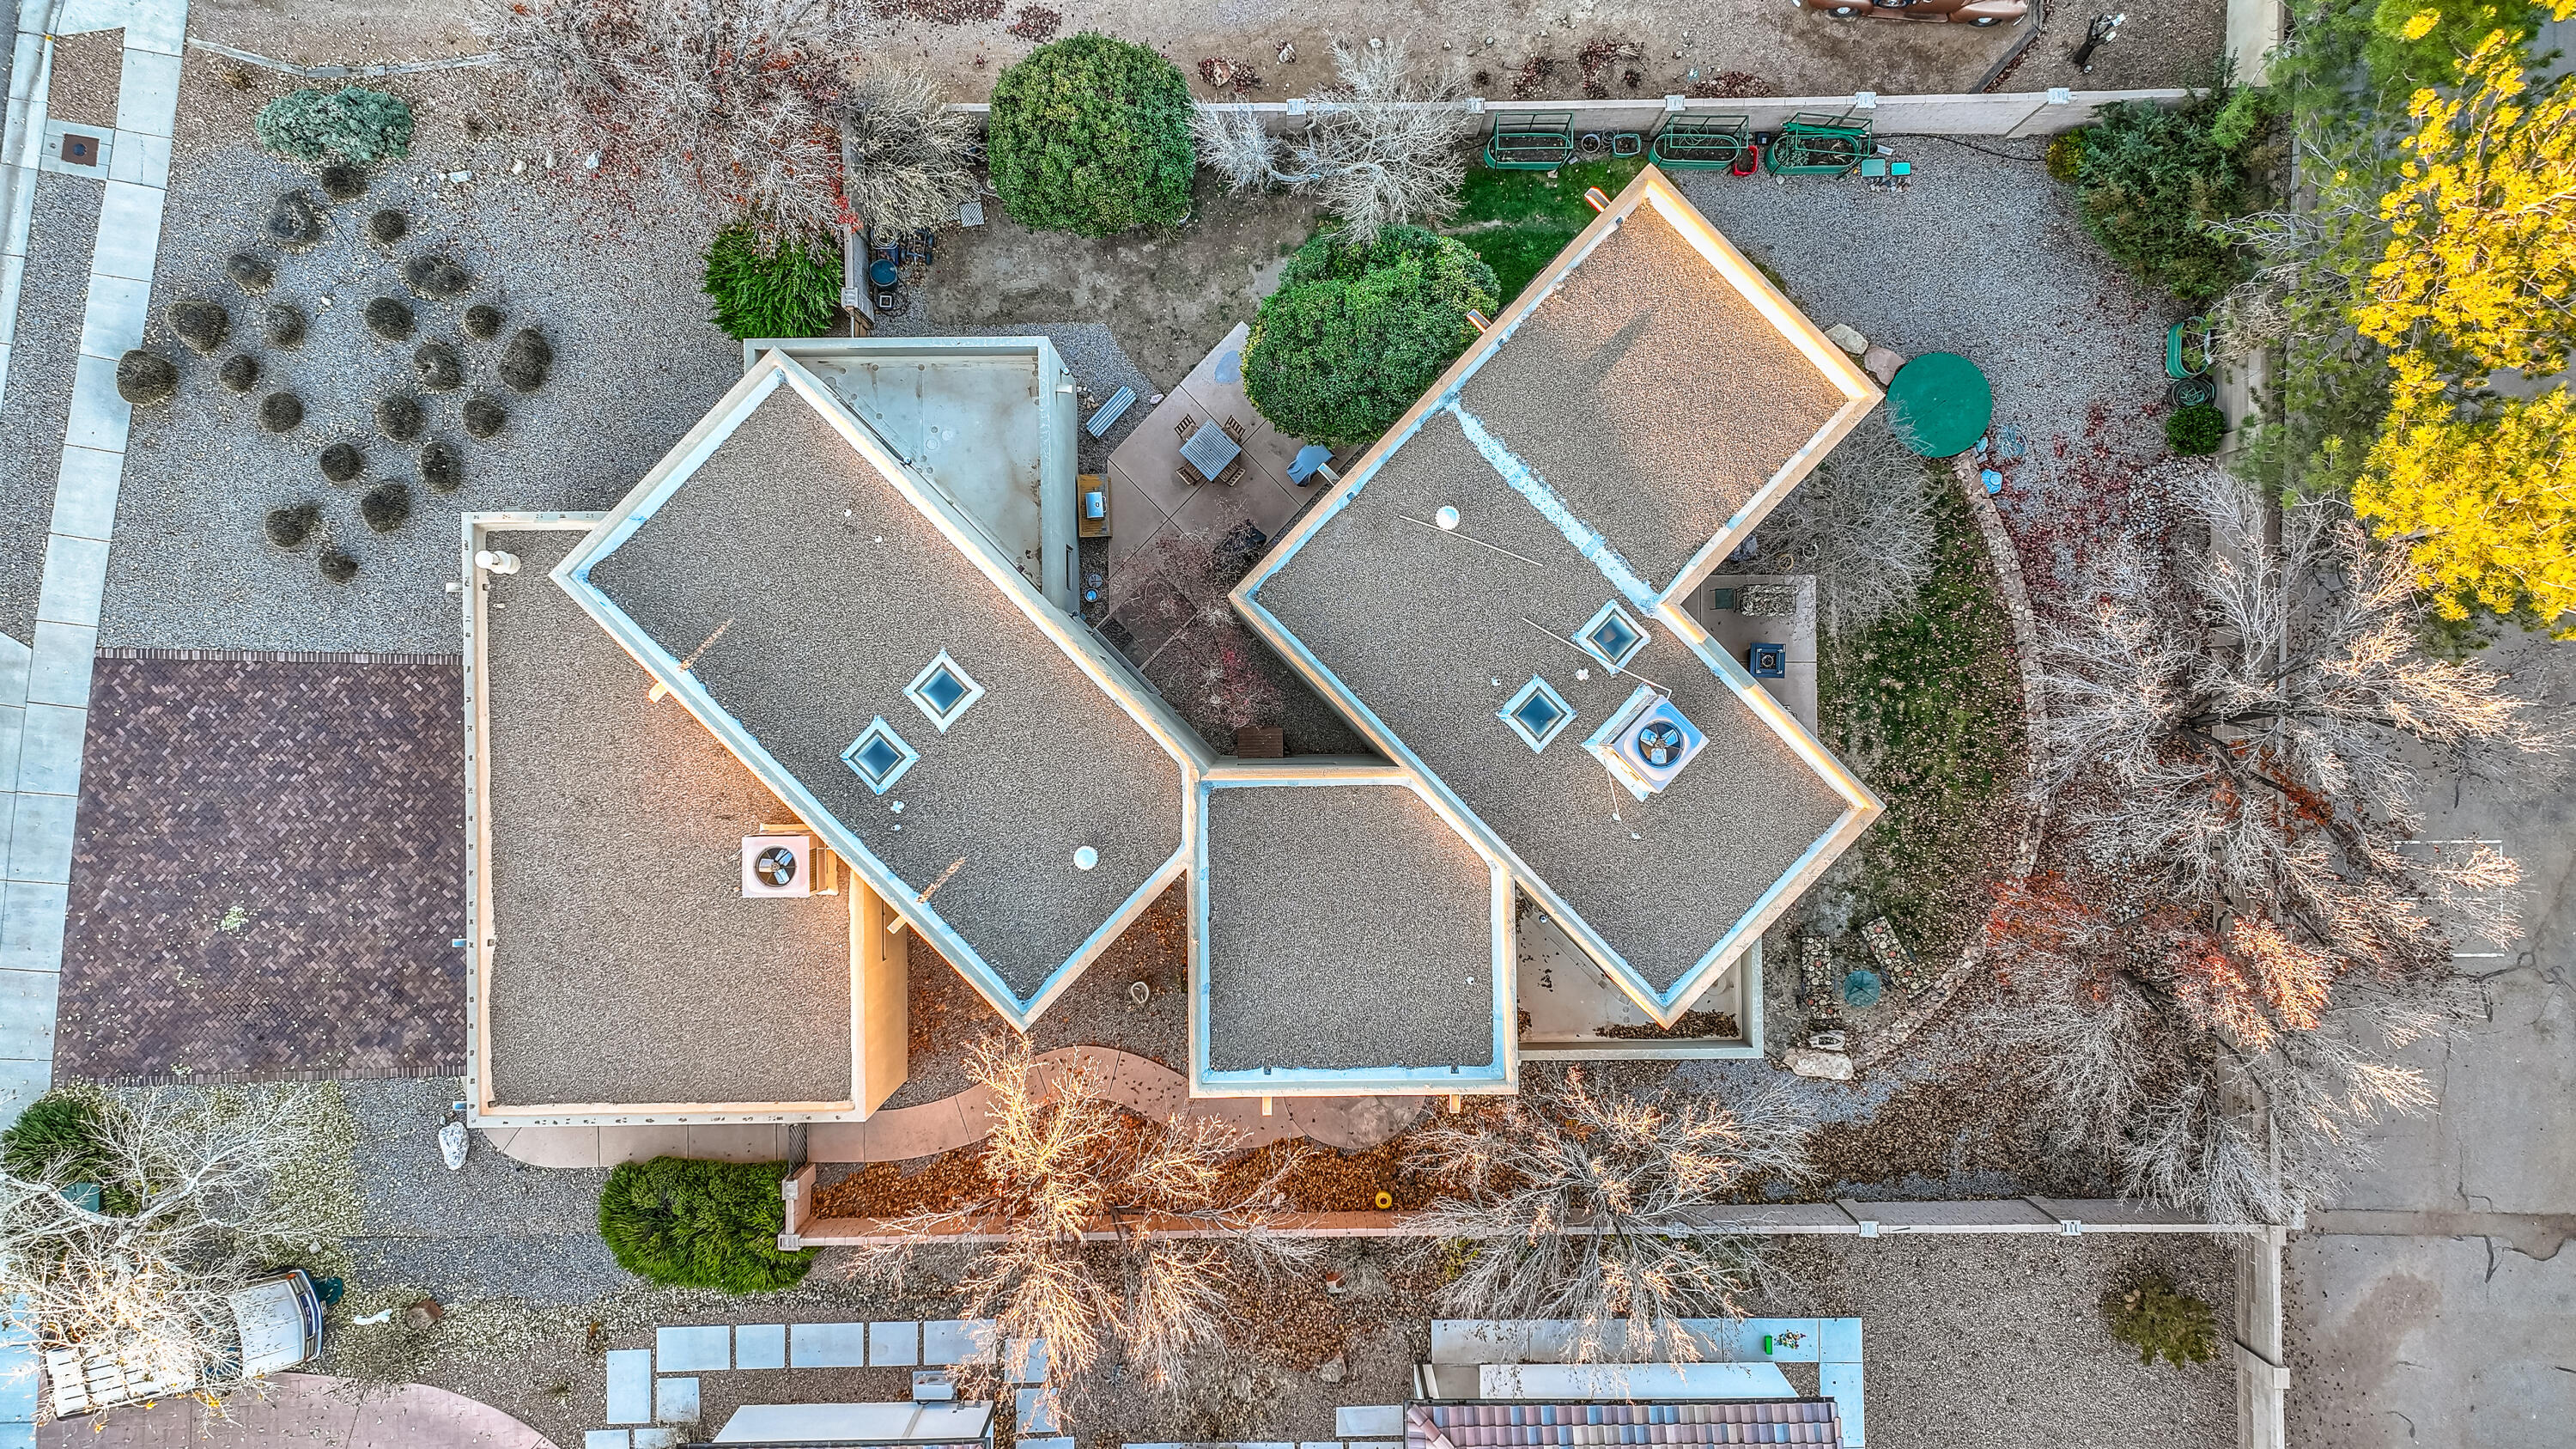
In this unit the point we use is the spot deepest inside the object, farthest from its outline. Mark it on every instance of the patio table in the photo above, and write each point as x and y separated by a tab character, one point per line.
1209	451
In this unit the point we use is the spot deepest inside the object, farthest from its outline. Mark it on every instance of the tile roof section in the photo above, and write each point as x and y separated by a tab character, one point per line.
1723	1421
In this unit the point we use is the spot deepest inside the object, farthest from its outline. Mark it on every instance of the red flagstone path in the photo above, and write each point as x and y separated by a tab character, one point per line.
1140	1084
308	1411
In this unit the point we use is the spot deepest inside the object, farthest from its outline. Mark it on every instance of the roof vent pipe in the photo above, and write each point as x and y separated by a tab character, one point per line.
493	561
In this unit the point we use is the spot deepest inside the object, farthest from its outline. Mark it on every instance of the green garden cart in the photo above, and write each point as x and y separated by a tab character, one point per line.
1541	141
1819	145
1703	143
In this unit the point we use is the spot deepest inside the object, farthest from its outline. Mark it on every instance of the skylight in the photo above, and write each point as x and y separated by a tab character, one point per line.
943	691
1537	713
879	755
1612	637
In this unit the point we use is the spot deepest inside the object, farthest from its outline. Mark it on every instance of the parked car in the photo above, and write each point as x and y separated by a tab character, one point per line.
1955	12
279	1320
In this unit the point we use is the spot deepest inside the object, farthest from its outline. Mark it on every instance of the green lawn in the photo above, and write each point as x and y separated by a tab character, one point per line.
1519	220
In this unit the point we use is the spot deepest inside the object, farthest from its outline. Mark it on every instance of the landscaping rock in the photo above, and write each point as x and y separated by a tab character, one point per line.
1882	363
483	321
484	418
294	222
282	326
435	364
338	567
399	417
202	325
341	181
281	412
390	318
385	507
251	273
342	462
240	372
441	468
1826	1066
525	361
387	227
144	378
1844	336
435	277
292	525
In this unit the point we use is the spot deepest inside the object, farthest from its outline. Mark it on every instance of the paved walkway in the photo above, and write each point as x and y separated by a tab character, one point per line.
310	1411
1138	1083
45	692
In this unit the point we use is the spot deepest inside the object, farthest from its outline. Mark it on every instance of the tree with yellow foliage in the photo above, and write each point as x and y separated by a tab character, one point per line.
2484	498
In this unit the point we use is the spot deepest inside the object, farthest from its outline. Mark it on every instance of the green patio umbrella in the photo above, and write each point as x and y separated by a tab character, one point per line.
1939	404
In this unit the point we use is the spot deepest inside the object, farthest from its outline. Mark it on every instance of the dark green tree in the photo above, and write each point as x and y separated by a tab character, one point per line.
684	1223
1356	334
1092	135
2150	179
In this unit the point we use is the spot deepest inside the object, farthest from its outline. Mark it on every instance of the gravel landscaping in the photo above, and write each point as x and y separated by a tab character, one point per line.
37	405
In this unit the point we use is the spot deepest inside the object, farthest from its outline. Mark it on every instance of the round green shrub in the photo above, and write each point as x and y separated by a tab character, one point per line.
352	124
294	222
292	525
2066	155
2151	179
251	273
787	289
388	226
441	469
2160	1321
526	359
339	568
684	1223
342	462
60	1138
385	506
483	321
144	378
1092	135
281	412
1356	334
2195	431
484	418
240	372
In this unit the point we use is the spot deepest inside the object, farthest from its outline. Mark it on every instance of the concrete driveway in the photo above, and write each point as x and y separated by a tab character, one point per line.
2435	1304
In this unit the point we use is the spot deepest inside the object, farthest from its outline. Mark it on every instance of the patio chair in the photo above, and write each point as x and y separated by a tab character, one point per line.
1188	424
1234	429
1187	477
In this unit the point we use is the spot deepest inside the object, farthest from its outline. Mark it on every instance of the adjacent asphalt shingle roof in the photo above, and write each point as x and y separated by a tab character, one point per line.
834	589
1721	1421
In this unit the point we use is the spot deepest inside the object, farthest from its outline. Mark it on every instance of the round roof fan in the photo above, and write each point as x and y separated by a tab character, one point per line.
775	867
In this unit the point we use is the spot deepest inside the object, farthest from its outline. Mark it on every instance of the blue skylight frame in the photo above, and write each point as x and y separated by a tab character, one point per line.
1620	636
872	745
1536	734
926	687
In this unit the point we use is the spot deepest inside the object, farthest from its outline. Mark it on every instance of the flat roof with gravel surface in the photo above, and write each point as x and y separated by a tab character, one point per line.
1590	462
837	582
626	967
1345	929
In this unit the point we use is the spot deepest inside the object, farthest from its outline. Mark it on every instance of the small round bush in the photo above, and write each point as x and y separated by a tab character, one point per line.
2195	431
399	417
778	288
484	418
435	277
342	462
202	325
435	364
240	372
483	321
339	568
385	506
144	378
2066	156
685	1223
294	222
281	412
341	181
388	226
292	525
282	326
60	1139
525	360
390	318
1092	135
1356	334
2160	1321
251	273
441	468
352	124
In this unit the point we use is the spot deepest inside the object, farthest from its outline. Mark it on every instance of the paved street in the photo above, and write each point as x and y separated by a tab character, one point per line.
2435	1305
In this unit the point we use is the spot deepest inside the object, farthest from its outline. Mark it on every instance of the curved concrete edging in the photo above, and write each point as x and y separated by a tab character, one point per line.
927	1129
2034	714
307	1409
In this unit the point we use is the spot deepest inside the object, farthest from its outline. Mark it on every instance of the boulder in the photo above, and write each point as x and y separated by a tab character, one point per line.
1882	363
1844	336
1808	1062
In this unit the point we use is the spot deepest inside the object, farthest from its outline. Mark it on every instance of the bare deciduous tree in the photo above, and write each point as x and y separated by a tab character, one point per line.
148	1288
2235	736
1386	150
1862	524
1583	1205
1062	1161
907	161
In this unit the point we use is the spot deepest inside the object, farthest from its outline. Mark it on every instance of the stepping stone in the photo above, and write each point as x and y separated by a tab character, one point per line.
827	1345
1357	1421
1025	1361
675	1401
604	1439
946	1341
894	1345
692	1350
1039	1414
760	1346
630	1386
657	1439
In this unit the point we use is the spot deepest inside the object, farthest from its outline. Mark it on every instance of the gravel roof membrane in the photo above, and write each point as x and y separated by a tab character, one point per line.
1434	633
840	592
1653	397
628	968
1349	927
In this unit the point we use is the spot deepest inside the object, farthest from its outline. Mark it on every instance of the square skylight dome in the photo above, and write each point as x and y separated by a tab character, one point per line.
879	756
1536	713
1613	636
943	691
